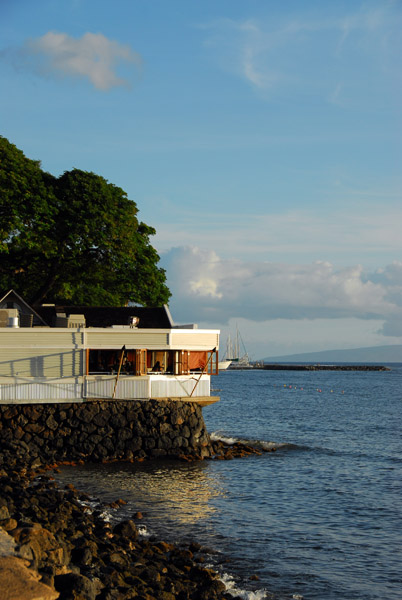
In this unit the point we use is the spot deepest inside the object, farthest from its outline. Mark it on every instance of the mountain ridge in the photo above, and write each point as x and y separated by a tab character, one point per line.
370	354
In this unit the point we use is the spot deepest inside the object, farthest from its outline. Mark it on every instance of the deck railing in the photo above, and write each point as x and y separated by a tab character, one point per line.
18	390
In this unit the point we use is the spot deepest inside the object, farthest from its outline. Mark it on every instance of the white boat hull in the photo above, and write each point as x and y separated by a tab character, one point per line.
224	364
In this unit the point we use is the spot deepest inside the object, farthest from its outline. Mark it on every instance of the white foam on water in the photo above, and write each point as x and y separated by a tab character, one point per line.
106	516
143	531
232	589
219	436
270	445
88	506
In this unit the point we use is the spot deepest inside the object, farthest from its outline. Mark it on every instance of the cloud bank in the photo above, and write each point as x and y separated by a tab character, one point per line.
370	233
93	57
207	288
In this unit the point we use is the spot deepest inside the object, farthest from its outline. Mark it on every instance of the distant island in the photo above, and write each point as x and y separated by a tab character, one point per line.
372	354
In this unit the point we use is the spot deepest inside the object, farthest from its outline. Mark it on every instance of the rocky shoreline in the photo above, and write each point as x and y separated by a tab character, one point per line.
63	548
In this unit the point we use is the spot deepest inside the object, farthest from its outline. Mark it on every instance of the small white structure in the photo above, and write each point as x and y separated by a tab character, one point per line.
74	354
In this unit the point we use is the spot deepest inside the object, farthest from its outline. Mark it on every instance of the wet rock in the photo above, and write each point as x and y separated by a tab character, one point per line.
126	529
9	524
4	514
74	586
40	547
82	556
18	582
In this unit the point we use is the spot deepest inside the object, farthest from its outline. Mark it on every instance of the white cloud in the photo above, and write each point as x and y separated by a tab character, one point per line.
210	289
269	54
93	57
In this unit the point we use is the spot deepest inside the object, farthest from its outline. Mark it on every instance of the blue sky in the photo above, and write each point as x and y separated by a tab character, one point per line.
261	138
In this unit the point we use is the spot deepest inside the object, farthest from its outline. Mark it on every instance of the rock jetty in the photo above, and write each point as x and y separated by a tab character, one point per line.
294	367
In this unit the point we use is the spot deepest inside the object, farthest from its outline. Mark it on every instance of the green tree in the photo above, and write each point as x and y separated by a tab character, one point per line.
23	197
74	239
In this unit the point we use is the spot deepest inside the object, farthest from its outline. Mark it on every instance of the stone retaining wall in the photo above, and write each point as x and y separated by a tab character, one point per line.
103	430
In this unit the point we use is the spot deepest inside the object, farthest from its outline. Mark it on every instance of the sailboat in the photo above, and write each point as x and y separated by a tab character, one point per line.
224	364
232	357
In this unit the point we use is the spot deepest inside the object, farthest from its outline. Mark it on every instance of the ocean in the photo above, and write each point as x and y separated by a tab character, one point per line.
319	518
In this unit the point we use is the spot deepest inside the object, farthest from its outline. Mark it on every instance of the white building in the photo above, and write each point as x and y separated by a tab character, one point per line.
74	354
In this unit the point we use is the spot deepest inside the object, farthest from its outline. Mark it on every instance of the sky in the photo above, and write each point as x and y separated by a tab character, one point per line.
260	138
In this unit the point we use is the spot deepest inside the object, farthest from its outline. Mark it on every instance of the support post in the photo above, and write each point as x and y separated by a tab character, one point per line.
203	371
123	350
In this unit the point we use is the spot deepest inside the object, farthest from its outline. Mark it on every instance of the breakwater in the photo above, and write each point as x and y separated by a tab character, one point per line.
104	430
290	367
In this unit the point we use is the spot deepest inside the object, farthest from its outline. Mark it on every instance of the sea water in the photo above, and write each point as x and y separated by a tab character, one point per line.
319	518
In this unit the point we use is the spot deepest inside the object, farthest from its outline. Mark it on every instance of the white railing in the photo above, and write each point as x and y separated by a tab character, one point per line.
78	389
40	390
151	386
102	387
180	386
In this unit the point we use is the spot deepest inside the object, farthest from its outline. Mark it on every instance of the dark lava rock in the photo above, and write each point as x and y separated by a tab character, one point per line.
74	586
126	529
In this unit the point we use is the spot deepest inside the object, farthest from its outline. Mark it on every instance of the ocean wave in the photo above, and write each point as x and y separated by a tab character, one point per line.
231	588
219	436
267	445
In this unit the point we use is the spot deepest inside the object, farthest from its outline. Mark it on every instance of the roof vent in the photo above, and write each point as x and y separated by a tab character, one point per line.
75	321
9	317
70	321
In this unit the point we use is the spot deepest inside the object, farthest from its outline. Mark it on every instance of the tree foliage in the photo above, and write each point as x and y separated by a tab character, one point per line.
74	239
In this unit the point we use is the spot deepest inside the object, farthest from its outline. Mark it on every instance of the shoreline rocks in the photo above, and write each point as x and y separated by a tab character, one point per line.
66	547
70	549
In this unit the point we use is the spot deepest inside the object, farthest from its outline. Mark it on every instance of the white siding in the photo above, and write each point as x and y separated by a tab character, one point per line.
193	340
131	338
41	352
38	337
152	339
40	362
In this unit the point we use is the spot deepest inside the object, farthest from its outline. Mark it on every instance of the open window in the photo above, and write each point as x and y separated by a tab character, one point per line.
212	362
182	362
106	362
142	362
160	361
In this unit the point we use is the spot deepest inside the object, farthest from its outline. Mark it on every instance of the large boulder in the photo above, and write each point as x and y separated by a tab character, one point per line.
17	582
